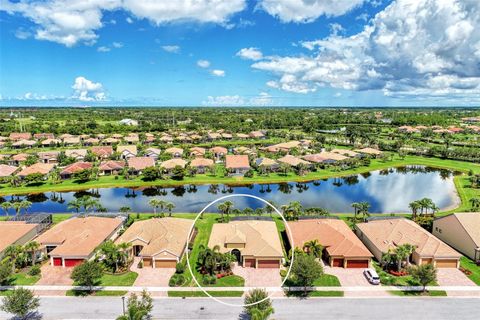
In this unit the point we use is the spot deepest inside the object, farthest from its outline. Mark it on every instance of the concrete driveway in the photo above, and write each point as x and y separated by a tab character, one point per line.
55	275
353	278
259	277
452	277
152	277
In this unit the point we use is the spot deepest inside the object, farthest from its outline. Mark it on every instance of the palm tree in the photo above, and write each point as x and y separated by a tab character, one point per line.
414	206
248	211
259	211
134	314
225	208
125	209
268	208
75	205
25	205
17	205
155	204
363	208
5	206
32	247
474	201
356	207
314	248
169	206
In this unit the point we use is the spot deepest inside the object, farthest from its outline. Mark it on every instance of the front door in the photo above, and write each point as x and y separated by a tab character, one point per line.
237	255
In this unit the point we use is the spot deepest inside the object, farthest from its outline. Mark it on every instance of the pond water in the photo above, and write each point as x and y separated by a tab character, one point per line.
388	191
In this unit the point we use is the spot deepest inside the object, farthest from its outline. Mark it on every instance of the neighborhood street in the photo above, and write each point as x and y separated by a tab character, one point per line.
324	308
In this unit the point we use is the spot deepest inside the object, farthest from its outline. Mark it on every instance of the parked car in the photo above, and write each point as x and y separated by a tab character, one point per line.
371	276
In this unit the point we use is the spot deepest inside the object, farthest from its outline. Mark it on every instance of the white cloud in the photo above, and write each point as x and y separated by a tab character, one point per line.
86	90
250	54
103	49
411	48
117	45
171	49
218	73
263	99
70	22
228	101
304	11
22	34
203	63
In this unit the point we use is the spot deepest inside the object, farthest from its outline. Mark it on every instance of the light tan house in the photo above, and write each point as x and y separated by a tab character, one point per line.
174	152
201	164
461	231
77	154
136	165
160	243
341	246
237	164
380	236
127	151
75	240
7	171
42	168
169	165
293	161
346	152
16	233
369	151
325	157
256	244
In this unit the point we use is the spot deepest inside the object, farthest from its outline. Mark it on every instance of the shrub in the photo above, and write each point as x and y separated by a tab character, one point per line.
180	268
34	271
176	280
283	273
207	279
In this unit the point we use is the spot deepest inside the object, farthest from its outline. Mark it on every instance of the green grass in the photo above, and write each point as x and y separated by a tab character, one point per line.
326	294
327	280
230	281
180	294
468	264
431	293
4	293
103	293
126	279
391	280
23	279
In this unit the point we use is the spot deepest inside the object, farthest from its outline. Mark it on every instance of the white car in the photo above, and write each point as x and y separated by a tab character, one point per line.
371	276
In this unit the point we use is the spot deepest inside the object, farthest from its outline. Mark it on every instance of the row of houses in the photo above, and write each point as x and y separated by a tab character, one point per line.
439	129
26	139
161	243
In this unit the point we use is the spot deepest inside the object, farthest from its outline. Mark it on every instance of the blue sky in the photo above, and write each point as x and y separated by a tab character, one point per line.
295	53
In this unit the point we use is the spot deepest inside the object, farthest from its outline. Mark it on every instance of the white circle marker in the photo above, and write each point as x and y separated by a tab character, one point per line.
191	230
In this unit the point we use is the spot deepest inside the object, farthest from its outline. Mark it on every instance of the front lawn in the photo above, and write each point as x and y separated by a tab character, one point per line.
431	293
103	293
230	281
126	279
23	279
387	279
469	265
326	294
327	280
181	294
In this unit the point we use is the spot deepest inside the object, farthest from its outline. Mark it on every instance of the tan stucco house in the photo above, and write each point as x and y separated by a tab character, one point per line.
256	244
461	231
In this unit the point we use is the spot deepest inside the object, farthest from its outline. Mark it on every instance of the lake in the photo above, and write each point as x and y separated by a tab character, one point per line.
388	191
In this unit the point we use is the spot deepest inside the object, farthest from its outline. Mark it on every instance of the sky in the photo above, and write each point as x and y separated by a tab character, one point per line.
240	53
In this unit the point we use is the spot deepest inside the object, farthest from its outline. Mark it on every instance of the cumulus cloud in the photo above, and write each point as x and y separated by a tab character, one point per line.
171	49
250	54
103	49
70	22
87	90
304	11
263	99
218	72
203	63
412	47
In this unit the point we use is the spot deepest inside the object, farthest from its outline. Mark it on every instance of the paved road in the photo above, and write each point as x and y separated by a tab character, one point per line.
323	308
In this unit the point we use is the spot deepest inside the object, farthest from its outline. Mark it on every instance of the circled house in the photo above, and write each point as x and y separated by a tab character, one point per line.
341	246
255	244
160	243
75	240
380	236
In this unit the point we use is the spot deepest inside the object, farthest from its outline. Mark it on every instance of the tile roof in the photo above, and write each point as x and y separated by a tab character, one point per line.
76	153
333	234
261	237
127	149
76	167
292	160
470	221
79	237
345	152
159	235
236	162
386	234
172	163
43	168
140	163
201	162
111	165
369	151
12	231
174	150
219	150
102	151
6	171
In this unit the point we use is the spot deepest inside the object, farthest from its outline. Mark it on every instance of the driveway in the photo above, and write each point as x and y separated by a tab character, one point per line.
353	278
151	277
55	276
259	277
452	277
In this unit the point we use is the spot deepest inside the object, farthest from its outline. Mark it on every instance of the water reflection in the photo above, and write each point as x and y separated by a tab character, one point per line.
388	191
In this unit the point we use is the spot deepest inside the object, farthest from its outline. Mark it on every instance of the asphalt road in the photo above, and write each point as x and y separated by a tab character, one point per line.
323	308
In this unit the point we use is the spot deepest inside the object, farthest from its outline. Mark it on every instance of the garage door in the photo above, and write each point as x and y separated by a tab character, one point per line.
268	263
147	262
446	263
57	262
338	262
357	263
249	263
73	262
426	261
165	263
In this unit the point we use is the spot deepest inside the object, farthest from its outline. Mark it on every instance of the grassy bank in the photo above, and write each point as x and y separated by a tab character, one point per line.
469	265
198	294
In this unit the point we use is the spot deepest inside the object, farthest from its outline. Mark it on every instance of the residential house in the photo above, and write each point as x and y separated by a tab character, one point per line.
257	135
153	153
171	164
132	138
42	168
111	167
201	165
219	153
73	241
346	153
16	136
42	136
16	233
325	157
48	156
24	143
285	147
77	154
110	141
174	152
166	139
127	152
137	164
102	152
73	168
380	236
461	231
91	141
255	244
211	136
293	161
18	158
341	246
50	142
7	171
267	164
197	152
237	164
160	243
369	152
70	141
